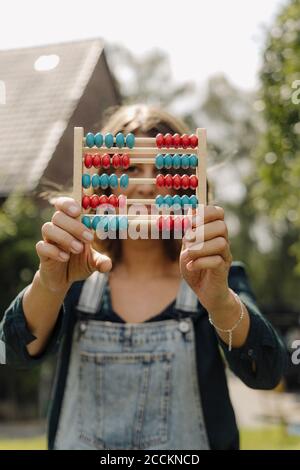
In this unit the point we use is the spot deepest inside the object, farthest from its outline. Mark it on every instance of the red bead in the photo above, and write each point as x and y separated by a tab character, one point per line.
125	161
88	160
185	224
85	202
193	182
178	223
106	161
185	181
176	182
116	161
160	140
122	201
160	180
159	223
168	181
193	141
97	160
168	140
94	201
171	222
103	199
113	200
185	141
176	140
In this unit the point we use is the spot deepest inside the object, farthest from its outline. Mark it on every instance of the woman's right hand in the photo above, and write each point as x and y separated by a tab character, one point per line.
65	252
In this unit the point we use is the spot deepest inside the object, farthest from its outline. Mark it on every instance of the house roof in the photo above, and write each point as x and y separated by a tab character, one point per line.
39	105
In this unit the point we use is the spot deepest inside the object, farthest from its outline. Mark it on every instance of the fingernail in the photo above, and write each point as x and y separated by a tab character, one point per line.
73	210
89	236
64	256
77	246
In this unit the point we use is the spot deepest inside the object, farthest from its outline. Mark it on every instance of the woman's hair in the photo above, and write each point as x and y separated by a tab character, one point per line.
148	120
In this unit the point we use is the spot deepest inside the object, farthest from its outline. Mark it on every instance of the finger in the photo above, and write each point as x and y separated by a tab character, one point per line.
205	214
217	228
72	226
67	205
216	246
208	262
48	251
100	262
53	234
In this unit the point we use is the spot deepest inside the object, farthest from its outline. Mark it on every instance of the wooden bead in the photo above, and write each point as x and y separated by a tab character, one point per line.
116	160
193	181
109	140
176	141
120	140
193	141
160	140
176	181
168	140
185	141
86	180
90	139
125	161
160	181
185	181
98	139
86	221
88	160
85	202
105	161
168	180
113	200
103	199
94	201
97	160
122	201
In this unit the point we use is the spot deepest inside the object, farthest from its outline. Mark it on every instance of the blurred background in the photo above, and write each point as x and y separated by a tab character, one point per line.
232	67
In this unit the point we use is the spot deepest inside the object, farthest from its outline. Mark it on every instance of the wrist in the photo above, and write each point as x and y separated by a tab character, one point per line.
226	311
50	289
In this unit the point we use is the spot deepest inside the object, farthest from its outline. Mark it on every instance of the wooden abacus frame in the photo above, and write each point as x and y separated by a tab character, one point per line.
144	151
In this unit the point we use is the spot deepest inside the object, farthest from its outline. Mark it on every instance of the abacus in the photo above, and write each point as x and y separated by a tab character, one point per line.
120	151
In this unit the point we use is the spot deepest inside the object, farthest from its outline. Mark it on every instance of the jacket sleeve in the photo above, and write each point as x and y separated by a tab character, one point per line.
15	335
262	360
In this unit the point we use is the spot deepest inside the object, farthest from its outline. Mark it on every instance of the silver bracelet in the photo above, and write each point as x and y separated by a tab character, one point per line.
229	331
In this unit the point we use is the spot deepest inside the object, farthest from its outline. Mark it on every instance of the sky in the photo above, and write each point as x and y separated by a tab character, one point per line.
202	38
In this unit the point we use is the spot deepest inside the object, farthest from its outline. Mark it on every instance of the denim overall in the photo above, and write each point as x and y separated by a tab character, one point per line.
132	385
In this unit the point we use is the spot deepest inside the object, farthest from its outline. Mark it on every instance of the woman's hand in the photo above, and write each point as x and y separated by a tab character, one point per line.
205	258
65	252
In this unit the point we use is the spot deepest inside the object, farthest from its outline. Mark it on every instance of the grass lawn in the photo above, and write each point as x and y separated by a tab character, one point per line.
272	437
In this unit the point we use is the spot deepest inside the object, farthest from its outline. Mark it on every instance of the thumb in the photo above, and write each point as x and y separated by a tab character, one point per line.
100	262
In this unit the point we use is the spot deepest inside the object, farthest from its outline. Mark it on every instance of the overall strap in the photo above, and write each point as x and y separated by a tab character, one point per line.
91	293
186	300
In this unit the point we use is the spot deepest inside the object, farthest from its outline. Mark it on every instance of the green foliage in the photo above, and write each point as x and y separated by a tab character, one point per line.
278	157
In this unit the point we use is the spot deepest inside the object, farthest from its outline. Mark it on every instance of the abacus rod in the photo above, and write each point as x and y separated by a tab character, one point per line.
139	141
137	151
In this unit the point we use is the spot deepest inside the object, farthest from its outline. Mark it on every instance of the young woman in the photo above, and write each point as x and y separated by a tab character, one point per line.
143	328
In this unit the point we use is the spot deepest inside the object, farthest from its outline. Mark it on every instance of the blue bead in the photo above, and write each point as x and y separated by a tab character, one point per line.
90	139
130	139
98	139
168	200
193	201
193	160
120	140
86	221
123	222
103	224
113	181
168	161
124	181
176	201
95	222
159	161
109	140
86	180
159	200
104	181
185	161
176	161
95	180
185	200
113	223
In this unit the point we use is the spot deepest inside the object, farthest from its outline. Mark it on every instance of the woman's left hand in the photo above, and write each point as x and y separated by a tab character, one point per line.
205	257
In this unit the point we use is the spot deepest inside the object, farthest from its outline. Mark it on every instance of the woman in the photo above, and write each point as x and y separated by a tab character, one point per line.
143	327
